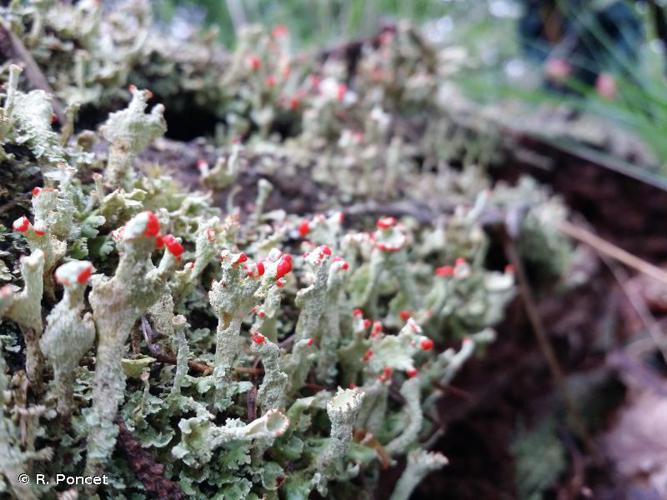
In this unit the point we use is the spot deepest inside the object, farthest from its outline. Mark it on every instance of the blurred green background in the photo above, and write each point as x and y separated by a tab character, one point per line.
323	22
501	55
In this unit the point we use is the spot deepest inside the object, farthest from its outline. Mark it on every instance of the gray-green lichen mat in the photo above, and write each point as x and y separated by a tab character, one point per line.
218	342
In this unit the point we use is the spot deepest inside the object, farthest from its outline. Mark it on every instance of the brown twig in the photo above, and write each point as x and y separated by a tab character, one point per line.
253	371
368	439
453	390
543	341
531	310
438	429
608	251
639	305
604	247
13	48
150	335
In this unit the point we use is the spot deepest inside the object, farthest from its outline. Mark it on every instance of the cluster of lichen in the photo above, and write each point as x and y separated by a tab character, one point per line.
254	354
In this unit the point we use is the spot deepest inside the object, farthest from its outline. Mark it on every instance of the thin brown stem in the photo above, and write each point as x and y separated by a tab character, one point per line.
453	390
544	344
249	370
33	73
168	358
639	306
604	247
608	252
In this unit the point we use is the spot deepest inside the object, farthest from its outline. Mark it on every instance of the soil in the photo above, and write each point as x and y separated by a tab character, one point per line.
512	385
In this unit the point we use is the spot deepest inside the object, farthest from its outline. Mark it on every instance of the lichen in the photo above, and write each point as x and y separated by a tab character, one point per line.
250	337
